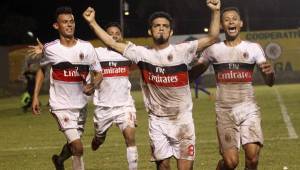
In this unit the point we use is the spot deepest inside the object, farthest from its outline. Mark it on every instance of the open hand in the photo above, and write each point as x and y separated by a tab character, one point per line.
35	51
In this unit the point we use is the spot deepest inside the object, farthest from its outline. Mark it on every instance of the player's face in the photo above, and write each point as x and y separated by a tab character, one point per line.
161	30
65	25
232	24
115	33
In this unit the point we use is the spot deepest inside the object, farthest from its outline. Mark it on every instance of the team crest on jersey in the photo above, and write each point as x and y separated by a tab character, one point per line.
246	55
170	57
81	56
66	119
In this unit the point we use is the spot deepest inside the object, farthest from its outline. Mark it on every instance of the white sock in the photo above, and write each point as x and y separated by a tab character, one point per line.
132	157
77	163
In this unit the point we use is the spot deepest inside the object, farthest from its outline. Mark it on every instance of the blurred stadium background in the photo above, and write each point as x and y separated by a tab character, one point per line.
275	24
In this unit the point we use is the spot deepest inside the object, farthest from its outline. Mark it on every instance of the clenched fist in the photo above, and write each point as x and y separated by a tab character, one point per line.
214	4
89	15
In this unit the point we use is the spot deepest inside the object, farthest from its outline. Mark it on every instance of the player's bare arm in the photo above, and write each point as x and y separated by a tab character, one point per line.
89	89
133	67
35	51
199	68
214	28
98	77
89	16
40	75
268	73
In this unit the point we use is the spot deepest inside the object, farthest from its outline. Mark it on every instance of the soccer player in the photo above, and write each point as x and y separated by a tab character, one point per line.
165	84
119	107
113	101
238	116
72	62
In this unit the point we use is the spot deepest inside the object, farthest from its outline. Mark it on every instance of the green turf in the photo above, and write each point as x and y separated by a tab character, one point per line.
27	142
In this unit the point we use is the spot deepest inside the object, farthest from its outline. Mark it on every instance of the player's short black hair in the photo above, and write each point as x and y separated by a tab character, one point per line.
230	9
62	10
113	24
160	14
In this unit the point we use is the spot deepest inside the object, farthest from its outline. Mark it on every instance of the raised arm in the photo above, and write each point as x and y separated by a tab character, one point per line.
214	29
89	16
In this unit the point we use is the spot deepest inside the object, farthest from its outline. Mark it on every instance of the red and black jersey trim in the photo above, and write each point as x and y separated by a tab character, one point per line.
164	76
230	66
234	72
68	72
115	63
167	69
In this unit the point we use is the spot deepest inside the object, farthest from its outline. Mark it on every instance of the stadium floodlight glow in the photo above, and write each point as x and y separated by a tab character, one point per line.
126	8
126	13
205	29
30	34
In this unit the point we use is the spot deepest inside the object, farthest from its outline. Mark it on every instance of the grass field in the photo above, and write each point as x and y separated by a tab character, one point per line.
28	142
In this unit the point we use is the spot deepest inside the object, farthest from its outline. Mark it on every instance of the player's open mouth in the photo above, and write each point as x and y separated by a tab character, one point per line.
232	29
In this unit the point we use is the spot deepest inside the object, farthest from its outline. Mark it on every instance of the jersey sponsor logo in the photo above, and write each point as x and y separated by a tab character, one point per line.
234	72
171	76
115	68
115	71
115	63
69	72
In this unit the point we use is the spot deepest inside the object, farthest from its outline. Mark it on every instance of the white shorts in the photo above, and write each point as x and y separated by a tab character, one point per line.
231	135
122	116
70	119
169	138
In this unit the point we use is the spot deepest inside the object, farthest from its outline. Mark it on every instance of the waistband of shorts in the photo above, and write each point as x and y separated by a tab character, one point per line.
71	109
174	118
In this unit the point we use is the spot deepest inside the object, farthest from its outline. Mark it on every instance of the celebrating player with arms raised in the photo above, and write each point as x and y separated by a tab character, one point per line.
238	116
165	84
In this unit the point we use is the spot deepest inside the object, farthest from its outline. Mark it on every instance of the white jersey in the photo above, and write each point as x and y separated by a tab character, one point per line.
233	68
165	81
70	66
115	87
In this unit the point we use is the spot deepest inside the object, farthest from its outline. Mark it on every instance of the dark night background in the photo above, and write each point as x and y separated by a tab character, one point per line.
191	16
